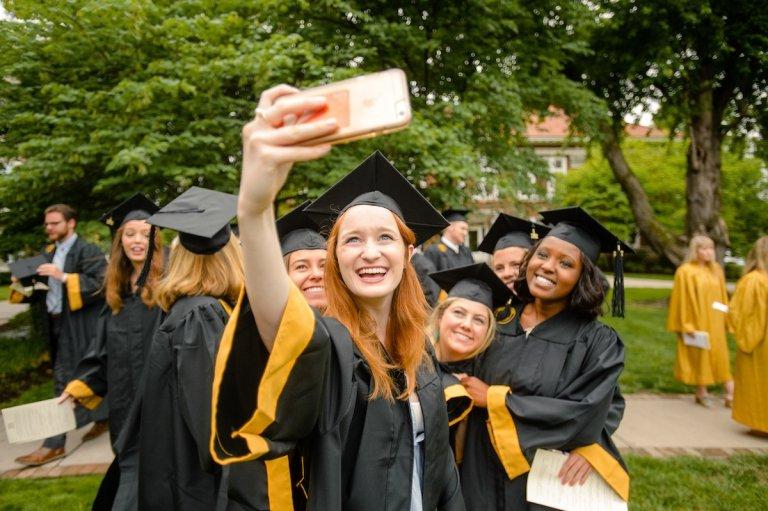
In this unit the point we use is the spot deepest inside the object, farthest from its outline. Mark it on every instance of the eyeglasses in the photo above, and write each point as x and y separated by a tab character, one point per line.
46	224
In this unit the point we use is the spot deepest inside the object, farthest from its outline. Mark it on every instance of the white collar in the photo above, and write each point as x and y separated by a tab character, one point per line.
448	243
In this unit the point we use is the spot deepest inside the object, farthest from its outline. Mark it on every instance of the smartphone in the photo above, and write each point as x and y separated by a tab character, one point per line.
364	106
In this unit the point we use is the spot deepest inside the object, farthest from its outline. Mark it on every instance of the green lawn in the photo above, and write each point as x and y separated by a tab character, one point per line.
4	293
23	357
684	483
60	494
650	349
32	394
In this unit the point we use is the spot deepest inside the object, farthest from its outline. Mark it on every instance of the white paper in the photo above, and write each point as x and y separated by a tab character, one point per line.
545	488
719	306
697	339
36	421
26	291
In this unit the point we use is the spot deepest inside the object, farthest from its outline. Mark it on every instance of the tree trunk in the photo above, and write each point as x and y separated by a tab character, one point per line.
703	176
663	242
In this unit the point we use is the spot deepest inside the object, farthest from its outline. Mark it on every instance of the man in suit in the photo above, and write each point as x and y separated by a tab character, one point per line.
72	303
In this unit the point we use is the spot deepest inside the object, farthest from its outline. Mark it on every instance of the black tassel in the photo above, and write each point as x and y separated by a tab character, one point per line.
617	301
148	261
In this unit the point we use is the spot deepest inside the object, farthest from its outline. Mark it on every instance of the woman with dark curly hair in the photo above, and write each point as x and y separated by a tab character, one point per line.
553	374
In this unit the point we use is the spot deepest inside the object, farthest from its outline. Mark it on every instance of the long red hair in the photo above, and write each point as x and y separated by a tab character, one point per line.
117	281
406	327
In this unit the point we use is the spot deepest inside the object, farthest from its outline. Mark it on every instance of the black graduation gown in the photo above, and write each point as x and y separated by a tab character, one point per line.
175	468
116	360
82	302
312	394
446	259
424	267
555	389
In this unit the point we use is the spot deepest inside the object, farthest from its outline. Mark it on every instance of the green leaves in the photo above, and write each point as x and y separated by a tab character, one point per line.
104	98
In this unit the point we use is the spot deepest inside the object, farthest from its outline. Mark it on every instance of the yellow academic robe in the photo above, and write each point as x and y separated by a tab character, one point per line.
695	289
749	322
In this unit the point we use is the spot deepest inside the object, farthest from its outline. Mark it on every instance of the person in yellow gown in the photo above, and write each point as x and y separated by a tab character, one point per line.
749	323
697	304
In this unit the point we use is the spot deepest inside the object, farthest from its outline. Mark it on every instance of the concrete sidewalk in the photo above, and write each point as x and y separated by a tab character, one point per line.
671	425
653	425
9	310
91	457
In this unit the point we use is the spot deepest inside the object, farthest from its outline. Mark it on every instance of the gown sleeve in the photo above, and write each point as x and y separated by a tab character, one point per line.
749	315
83	286
89	384
457	399
576	417
264	402
682	303
194	351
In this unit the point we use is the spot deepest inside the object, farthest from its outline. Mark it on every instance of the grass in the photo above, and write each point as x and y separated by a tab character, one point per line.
681	483
686	483
5	292
32	394
650	349
652	276
60	494
19	351
23	356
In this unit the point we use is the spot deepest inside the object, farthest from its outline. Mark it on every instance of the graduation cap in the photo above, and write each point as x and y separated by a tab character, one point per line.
137	207
297	231
475	282
455	215
579	228
26	269
376	182
511	231
201	217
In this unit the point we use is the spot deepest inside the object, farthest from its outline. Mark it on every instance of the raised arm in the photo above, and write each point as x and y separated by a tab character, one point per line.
271	144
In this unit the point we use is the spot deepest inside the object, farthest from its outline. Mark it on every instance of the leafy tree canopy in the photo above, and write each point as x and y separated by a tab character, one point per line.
102	98
661	169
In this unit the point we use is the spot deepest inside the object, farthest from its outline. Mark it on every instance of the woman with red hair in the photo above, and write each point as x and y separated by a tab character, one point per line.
354	394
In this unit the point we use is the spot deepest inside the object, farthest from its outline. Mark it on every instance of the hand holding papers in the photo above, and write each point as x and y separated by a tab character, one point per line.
720	307
697	339
35	421
545	488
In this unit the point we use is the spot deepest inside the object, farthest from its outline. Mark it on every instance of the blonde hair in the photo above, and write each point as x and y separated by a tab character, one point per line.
757	258
218	275
433	328
695	244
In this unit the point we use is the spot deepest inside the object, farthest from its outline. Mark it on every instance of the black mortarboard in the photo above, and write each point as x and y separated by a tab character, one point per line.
577	227
475	282
455	215
511	231
297	231
201	217
137	207
26	269
376	182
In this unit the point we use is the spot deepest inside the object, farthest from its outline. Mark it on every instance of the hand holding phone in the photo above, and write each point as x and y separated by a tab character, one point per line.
364	106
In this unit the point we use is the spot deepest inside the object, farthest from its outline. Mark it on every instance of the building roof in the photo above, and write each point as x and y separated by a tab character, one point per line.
556	127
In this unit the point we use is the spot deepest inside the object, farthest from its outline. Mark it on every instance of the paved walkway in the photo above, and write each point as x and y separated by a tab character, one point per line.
9	310
653	425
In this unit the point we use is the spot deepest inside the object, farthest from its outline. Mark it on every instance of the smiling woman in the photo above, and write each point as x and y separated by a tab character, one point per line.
348	406
550	381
